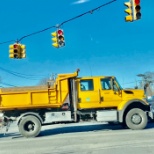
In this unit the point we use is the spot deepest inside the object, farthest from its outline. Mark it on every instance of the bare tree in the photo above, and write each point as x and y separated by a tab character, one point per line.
43	81
48	81
147	78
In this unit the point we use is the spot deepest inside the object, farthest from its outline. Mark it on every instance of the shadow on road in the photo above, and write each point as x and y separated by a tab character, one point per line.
2	135
70	128
83	128
86	128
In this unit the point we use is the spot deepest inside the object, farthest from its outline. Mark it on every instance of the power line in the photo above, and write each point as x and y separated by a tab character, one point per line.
7	84
7	42
31	77
36	33
90	11
64	22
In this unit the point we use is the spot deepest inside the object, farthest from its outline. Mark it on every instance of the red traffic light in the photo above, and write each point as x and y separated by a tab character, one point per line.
60	32
137	2
15	45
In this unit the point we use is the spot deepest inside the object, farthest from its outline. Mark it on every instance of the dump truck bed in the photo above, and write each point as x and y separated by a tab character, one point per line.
53	95
27	97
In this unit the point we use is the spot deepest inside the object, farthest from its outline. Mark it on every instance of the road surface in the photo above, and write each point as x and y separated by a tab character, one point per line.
84	138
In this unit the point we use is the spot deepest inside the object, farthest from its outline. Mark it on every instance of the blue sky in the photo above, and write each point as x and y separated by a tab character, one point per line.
101	43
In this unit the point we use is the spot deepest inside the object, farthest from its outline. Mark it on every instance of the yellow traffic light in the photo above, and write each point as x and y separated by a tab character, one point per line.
129	11
55	40
23	51
136	9
14	51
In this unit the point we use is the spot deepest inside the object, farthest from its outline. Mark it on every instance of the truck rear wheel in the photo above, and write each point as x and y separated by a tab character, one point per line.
29	126
136	119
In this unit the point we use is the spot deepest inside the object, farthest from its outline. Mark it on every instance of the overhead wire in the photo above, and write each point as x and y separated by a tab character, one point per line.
90	11
6	42
35	33
64	22
31	77
7	84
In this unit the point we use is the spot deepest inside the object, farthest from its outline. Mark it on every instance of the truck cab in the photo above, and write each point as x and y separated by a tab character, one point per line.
104	92
99	92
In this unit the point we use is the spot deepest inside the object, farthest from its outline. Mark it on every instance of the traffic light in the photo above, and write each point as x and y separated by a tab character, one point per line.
14	51
60	36
129	11
23	51
136	9
55	39
17	51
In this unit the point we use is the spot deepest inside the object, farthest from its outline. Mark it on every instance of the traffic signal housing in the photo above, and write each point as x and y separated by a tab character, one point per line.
136	9
129	17
17	51
55	39
60	36
11	51
23	51
14	51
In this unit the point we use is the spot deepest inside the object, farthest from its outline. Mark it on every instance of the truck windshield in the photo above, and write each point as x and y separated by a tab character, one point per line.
118	84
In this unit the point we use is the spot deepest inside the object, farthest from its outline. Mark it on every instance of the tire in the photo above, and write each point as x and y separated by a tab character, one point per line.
29	126
136	119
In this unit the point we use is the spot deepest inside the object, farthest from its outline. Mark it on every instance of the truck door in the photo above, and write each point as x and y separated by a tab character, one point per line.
110	95
88	96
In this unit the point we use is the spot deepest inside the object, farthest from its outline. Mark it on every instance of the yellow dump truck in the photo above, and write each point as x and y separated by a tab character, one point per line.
70	98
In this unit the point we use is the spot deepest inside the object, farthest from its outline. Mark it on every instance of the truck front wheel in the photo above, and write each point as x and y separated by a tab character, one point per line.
29	126
136	119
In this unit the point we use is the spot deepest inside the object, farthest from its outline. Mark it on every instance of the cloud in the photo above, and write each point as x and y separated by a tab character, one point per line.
80	1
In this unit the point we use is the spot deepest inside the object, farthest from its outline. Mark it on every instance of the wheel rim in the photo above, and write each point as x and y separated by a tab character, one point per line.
136	119
29	126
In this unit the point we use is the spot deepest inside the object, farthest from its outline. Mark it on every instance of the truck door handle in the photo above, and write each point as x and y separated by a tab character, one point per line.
101	99
79	100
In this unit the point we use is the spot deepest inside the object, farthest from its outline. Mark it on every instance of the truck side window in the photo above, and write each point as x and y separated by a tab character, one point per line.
106	84
86	85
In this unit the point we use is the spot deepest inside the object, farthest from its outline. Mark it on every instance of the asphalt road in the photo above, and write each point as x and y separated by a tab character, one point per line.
80	139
